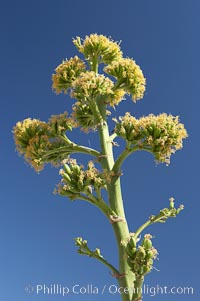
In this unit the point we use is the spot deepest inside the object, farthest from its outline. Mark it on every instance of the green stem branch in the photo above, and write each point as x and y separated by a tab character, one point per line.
99	203
113	136
126	153
85	250
159	218
102	260
72	148
141	228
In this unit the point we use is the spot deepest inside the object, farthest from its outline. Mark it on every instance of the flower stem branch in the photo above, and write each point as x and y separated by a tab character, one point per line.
72	148
126	153
85	250
98	202
113	136
159	218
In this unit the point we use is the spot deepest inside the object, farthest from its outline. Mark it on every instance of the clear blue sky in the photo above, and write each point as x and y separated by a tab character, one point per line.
36	227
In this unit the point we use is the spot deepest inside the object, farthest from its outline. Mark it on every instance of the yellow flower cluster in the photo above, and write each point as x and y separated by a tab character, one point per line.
90	85
84	116
129	77
76	180
117	97
162	135
98	48
31	138
140	259
36	139
26	130
66	73
61	123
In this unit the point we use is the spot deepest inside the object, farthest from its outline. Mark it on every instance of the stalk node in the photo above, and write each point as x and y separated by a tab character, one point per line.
118	275
116	219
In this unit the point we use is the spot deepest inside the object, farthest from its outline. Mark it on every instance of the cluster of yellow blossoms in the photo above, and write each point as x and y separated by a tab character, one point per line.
36	139
140	258
42	142
31	138
87	86
98	48
61	123
92	87
129	77
76	180
162	135
66	73
84	116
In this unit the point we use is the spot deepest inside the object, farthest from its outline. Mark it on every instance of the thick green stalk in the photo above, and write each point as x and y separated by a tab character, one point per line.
137	293
125	278
122	234
105	141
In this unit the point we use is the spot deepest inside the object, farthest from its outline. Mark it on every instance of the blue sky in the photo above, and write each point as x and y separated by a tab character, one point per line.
37	227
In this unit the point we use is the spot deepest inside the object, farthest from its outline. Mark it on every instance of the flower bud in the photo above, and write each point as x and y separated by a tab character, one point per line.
130	251
67	168
76	169
146	269
80	185
156	132
136	267
150	261
78	241
98	252
171	204
130	262
149	255
147	244
150	130
180	209
140	254
66	177
141	270
132	242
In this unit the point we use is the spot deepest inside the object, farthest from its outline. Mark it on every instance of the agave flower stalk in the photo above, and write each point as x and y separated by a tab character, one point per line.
48	142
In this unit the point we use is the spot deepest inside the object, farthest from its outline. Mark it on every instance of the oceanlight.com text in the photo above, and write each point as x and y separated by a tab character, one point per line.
109	289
